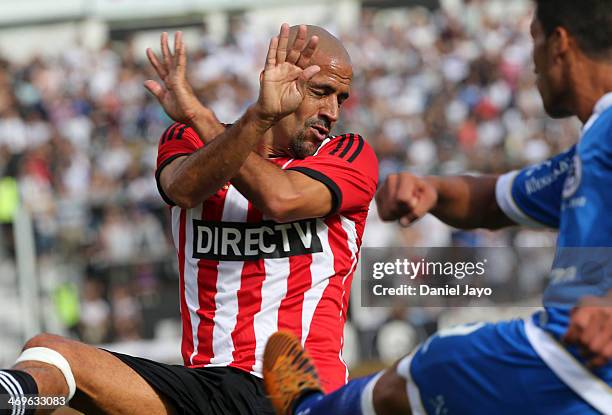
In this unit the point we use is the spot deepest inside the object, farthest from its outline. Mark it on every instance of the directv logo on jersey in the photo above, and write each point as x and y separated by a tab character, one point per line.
239	241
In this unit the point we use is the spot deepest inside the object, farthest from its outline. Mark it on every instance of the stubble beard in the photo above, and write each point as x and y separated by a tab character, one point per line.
300	146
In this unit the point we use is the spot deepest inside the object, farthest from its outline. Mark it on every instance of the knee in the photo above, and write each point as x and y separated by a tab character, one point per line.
46	357
50	341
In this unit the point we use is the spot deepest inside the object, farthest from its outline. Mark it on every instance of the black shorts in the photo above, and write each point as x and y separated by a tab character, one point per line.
209	391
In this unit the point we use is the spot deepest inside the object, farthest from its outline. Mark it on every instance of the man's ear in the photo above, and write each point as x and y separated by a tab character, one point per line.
559	42
261	76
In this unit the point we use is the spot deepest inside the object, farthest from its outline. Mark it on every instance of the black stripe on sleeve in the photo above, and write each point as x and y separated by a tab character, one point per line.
158	177
348	146
331	185
171	133
357	150
340	142
180	133
165	134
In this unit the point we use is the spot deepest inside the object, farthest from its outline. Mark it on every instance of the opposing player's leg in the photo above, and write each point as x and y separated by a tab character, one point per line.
475	369
94	380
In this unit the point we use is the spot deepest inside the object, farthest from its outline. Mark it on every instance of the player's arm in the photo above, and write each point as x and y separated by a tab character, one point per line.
315	186
282	195
332	181
468	202
530	197
190	179
465	202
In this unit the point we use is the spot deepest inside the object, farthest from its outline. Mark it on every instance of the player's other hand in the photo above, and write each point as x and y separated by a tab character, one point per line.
591	329
405	197
285	74
174	93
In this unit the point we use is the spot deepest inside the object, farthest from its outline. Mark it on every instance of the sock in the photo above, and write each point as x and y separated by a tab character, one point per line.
16	384
346	400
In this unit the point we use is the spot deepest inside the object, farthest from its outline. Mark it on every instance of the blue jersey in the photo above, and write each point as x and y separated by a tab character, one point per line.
571	192
518	366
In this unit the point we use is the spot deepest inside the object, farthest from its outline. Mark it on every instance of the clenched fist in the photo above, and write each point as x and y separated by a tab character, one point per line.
406	197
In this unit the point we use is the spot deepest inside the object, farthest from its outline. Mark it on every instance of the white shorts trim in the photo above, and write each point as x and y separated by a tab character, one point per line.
589	387
414	395
15	391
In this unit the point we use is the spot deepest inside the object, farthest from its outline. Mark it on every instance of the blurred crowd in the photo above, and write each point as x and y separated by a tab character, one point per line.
433	92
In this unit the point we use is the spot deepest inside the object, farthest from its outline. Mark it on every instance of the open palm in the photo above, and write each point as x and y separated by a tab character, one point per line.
286	72
174	93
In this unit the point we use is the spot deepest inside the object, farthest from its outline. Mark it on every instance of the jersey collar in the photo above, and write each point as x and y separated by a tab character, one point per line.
603	104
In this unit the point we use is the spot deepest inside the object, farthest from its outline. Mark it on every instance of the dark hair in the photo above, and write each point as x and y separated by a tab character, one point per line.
588	21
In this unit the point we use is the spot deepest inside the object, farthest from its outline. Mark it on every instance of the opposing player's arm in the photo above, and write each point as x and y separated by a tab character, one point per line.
530	197
465	202
468	202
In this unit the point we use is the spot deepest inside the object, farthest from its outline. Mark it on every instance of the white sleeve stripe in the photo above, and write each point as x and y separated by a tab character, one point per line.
503	195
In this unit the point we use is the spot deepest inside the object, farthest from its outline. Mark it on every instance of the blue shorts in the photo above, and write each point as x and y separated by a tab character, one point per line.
494	369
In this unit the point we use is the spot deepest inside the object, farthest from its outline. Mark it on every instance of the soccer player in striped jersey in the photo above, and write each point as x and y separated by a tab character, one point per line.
557	361
276	246
267	219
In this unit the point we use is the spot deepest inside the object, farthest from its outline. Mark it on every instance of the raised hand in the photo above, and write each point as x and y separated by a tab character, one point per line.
405	197
285	74
174	94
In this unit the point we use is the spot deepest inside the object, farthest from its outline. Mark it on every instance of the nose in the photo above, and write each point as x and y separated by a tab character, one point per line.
330	109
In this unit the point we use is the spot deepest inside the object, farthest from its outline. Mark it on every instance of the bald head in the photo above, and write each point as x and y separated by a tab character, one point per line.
329	48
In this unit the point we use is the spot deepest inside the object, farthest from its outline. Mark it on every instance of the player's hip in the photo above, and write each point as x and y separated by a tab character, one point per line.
508	367
204	390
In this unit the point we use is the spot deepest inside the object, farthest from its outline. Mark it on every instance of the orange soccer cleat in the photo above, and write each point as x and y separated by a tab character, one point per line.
288	372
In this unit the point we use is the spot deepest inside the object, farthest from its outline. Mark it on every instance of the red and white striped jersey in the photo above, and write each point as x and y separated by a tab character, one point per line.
243	277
